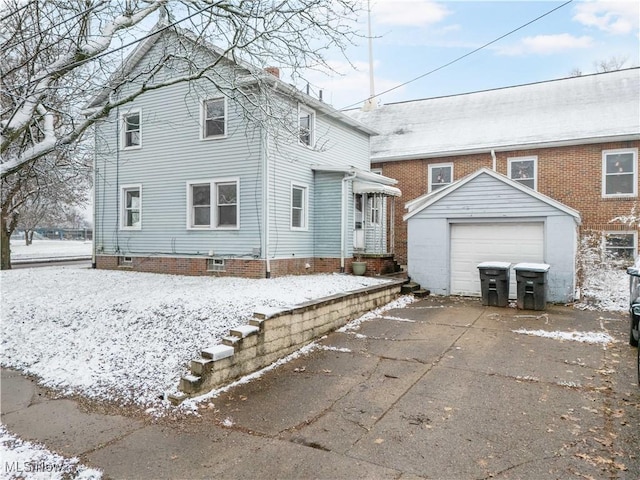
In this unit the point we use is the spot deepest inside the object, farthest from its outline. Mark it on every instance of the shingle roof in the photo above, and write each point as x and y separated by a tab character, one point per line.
585	109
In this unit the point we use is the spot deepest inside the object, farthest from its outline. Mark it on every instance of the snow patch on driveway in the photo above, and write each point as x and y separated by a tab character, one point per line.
584	337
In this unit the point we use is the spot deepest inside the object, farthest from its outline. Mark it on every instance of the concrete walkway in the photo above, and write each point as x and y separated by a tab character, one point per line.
442	388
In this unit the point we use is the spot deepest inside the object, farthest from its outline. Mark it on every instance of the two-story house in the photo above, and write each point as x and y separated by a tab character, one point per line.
565	150
233	173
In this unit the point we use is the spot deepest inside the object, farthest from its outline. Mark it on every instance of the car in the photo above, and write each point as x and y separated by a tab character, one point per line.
634	309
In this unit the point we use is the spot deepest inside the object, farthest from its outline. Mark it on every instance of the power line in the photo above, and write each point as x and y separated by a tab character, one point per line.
462	56
138	40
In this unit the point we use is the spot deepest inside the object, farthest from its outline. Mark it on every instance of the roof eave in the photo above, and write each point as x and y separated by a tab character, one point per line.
506	148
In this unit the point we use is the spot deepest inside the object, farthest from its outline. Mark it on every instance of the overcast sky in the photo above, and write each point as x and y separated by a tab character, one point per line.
414	37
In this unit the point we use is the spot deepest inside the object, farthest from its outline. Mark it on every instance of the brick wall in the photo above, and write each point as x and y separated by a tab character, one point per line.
570	175
234	267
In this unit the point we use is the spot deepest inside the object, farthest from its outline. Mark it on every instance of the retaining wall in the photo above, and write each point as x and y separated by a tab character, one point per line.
275	333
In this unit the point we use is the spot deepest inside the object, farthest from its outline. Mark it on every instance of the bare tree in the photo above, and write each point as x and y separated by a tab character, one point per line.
67	50
57	55
610	65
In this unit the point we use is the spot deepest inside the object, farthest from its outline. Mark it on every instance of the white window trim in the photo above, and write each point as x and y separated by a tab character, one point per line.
623	232
123	129
123	198
312	130
633	151
305	206
534	159
213	203
433	167
203	119
123	210
372	199
216	264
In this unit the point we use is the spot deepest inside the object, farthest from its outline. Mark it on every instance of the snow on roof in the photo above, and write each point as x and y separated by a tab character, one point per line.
585	109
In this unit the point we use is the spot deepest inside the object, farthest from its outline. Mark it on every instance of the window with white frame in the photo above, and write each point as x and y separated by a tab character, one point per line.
213	204
375	202
215	265
214	121
299	196
440	175
306	125
131	207
621	245
131	129
524	170
620	172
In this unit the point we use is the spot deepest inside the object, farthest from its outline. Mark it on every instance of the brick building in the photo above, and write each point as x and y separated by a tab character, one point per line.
574	140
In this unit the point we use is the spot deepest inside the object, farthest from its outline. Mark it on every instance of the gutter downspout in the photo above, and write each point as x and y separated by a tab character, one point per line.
495	161
93	195
343	226
265	187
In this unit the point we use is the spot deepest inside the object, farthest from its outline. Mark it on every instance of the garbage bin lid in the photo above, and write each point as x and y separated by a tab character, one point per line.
497	265
533	267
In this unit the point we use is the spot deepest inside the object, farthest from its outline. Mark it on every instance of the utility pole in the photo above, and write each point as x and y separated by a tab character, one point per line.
370	103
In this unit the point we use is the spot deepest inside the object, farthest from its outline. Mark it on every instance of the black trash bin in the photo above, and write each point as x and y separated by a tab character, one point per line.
531	279
494	283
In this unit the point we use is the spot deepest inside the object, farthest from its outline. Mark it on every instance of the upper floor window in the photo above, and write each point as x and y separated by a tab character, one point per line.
524	170
214	122
440	175
299	207
213	204
131	130
620	172
131	211
621	245
306	125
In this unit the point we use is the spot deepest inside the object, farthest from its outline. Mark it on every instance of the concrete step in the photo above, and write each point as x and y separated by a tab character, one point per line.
177	398
190	383
244	331
409	287
421	292
231	341
217	352
201	366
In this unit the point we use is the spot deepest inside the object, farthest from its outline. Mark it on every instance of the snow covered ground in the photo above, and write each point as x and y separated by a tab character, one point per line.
21	459
43	249
127	337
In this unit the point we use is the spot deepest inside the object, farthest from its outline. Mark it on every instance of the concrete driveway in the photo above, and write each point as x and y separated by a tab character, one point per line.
443	388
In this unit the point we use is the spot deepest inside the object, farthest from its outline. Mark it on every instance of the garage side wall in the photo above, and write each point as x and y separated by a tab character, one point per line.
561	231
486	199
428	253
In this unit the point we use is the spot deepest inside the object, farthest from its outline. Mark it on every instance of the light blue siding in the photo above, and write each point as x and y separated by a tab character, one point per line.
488	199
173	153
328	189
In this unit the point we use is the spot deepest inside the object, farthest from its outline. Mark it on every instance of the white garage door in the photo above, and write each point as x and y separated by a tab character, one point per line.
472	244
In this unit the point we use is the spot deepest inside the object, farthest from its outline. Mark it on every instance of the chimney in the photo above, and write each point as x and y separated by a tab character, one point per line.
275	71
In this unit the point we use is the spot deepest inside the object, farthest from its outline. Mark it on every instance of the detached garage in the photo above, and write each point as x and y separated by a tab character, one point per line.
488	217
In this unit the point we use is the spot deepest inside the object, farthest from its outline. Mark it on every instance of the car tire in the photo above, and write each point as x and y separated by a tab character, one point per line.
633	341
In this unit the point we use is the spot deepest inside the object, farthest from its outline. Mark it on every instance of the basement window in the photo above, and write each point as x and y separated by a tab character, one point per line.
125	261
620	245
215	265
